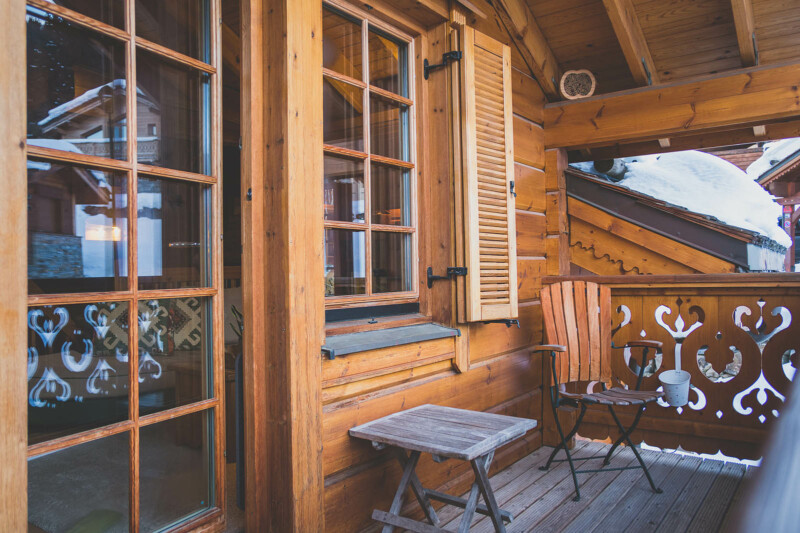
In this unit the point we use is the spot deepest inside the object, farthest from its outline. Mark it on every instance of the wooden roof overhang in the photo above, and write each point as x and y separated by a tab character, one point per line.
783	179
700	232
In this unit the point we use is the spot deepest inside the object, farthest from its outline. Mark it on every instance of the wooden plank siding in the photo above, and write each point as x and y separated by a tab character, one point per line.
502	375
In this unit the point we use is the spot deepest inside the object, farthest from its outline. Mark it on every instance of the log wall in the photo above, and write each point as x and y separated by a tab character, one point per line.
502	376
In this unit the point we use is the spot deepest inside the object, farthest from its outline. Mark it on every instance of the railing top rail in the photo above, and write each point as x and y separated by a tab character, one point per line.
779	279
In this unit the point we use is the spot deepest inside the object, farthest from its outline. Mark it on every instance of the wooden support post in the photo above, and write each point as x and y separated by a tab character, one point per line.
13	265
631	40
745	24
282	265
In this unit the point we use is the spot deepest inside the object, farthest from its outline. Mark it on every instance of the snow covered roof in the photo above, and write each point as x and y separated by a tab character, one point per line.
66	146
774	154
85	98
704	184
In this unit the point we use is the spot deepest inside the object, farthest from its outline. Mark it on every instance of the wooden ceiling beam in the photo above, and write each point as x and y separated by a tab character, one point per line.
522	26
745	31
631	39
746	97
741	136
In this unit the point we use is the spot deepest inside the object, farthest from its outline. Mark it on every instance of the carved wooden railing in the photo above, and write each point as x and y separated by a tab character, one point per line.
745	326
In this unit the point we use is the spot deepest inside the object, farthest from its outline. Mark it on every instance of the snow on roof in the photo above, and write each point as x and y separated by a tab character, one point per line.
66	146
774	153
84	98
705	184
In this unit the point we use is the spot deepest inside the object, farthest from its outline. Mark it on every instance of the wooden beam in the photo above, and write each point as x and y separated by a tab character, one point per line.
231	49
631	39
282	264
745	31
714	139
535	50
746	98
13	265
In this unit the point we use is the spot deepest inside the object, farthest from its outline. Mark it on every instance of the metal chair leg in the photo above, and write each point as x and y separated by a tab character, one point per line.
566	449
622	435
626	434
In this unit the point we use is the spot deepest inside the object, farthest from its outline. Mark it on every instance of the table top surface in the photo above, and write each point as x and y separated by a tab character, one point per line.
445	431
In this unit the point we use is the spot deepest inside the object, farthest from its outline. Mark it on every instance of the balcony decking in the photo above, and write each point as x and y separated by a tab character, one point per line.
699	495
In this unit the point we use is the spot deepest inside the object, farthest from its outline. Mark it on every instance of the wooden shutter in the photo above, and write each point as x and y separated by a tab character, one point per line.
488	172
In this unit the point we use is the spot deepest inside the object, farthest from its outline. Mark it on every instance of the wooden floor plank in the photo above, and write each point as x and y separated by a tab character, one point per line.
732	513
591	487
650	515
686	505
625	508
715	504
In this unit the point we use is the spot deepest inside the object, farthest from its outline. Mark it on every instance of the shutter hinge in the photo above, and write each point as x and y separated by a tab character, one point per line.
513	192
507	321
455	55
451	272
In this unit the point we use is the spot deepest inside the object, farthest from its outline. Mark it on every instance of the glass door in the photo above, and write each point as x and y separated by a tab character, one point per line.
125	420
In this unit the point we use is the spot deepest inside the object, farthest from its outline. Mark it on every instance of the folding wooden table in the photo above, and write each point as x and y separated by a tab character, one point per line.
446	433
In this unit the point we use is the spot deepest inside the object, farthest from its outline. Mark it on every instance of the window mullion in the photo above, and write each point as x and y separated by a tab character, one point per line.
365	116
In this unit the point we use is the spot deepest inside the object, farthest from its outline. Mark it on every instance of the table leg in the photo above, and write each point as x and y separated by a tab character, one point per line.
472	501
417	488
397	503
482	480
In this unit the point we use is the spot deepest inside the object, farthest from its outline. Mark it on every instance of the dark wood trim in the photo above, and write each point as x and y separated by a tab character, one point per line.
786	279
82	20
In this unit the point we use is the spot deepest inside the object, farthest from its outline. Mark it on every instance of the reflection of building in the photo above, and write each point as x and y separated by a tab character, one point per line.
87	123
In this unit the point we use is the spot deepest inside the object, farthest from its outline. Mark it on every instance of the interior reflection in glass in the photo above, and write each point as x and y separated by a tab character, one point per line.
77	229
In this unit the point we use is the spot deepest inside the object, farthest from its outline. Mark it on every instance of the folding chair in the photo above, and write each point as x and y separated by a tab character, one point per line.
577	317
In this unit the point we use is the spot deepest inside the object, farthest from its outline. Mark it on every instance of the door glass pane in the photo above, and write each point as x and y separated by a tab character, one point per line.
181	25
344	262
387	63
341	44
390	191
76	88
175	470
391	260
112	12
344	189
388	128
81	489
172	234
77	229
77	368
172	114
343	107
174	353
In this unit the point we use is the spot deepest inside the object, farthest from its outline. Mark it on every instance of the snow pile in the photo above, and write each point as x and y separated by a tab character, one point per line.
774	153
705	184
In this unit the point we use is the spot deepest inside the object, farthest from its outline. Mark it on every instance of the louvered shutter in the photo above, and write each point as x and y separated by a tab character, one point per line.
488	172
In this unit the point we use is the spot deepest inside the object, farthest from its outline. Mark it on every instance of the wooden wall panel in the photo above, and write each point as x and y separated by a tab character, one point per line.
527	96
530	234
529	186
13	265
528	143
529	273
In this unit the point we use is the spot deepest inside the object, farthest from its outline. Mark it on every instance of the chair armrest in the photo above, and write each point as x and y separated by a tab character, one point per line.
645	344
549	348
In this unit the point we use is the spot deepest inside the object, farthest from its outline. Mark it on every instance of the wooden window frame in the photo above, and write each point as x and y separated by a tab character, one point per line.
214	517
367	20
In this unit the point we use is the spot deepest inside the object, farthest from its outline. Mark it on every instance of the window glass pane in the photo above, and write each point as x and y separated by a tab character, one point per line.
82	488
344	262
172	234
388	128
343	107
341	44
76	88
391	194
181	25
112	12
344	189
77	368
176	471
391	260
174	353
77	229
172	114
387	64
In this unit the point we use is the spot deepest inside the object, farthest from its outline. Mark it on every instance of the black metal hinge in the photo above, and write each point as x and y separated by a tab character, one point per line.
446	58
513	192
451	272
507	321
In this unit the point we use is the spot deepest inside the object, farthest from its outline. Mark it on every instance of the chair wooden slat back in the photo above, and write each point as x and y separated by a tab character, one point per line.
578	315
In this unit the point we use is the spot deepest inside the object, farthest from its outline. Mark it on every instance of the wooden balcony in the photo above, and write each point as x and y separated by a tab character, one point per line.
699	495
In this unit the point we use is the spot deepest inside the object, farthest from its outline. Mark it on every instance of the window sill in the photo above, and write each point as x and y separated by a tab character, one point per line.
371	324
349	343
